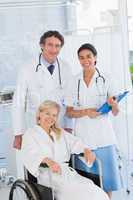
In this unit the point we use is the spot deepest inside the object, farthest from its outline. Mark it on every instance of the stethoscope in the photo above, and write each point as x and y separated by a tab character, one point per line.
58	64
98	79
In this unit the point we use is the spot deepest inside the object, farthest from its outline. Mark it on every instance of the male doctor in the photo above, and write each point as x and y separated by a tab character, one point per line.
42	80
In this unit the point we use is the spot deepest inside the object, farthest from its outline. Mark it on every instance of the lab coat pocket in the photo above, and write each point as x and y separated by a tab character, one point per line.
33	95
101	98
37	94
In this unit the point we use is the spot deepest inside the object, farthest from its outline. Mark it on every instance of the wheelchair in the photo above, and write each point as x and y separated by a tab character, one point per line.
29	189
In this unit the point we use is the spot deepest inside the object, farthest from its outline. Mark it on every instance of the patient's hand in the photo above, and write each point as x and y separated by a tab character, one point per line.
89	156
53	166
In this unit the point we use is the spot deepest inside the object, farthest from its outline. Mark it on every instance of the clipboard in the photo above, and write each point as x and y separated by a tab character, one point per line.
105	108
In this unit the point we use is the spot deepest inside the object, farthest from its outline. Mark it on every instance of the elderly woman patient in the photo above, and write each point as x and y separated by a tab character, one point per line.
47	143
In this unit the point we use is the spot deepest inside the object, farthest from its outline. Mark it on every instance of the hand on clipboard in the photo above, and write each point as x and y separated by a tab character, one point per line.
105	108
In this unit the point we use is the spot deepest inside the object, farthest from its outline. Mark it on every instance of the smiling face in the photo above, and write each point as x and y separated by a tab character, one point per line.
51	48
87	59
48	117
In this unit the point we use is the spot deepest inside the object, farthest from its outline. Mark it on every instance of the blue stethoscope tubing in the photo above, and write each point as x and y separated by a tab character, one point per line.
58	64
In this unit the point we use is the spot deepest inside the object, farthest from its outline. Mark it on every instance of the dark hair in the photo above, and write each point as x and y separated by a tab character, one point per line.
50	34
89	47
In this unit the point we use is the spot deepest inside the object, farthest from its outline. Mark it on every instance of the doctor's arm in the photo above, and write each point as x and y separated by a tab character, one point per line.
70	99
18	110
90	112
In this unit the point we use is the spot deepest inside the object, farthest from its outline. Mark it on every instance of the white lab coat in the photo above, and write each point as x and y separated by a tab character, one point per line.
68	185
35	87
96	132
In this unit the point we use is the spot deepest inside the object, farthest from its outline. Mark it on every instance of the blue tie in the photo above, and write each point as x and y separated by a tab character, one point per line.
51	69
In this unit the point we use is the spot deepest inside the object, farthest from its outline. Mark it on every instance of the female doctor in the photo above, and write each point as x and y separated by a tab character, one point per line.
87	92
48	144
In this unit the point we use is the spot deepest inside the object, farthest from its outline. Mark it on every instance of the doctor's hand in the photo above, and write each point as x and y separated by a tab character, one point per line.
113	103
89	156
53	166
17	142
92	113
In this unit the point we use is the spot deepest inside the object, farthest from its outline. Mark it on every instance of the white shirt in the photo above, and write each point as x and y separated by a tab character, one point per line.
55	76
96	132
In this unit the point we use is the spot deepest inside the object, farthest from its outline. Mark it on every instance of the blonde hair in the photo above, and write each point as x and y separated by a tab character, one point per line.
47	105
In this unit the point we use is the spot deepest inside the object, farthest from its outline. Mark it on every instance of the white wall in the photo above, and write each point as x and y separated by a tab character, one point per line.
22	24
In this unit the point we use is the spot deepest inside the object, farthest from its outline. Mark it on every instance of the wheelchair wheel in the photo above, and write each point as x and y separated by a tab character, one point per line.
22	190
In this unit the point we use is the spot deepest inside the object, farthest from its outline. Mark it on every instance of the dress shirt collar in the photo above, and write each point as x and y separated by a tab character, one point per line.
46	63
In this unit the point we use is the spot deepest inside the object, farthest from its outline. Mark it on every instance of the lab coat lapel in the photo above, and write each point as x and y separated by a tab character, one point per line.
46	79
55	75
50	84
93	85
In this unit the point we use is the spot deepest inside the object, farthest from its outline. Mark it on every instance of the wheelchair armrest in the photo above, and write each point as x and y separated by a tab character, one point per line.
99	164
